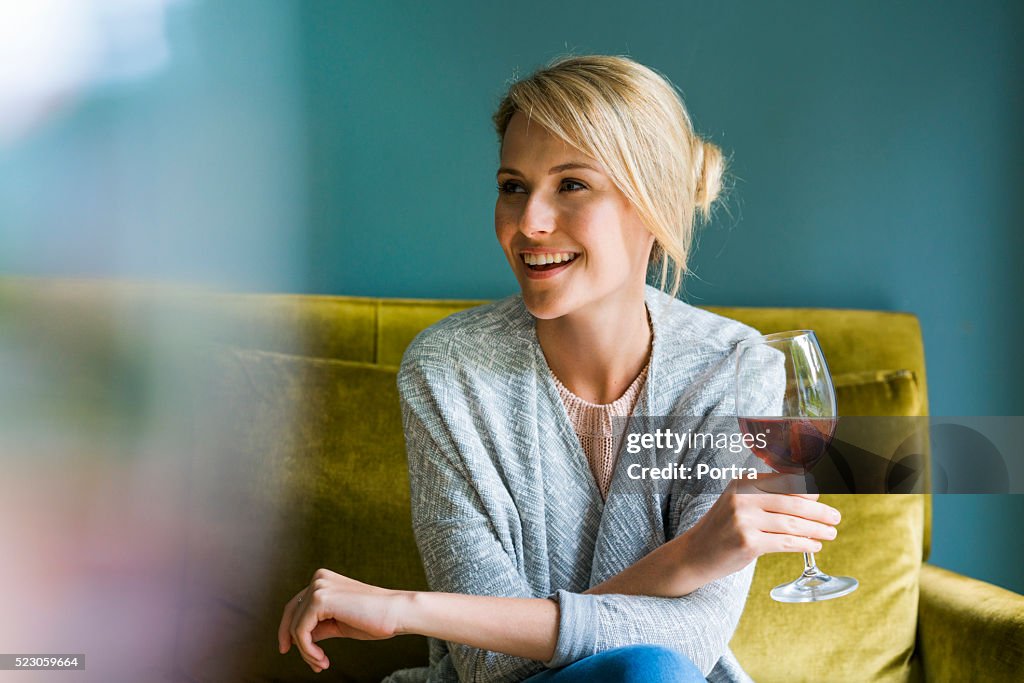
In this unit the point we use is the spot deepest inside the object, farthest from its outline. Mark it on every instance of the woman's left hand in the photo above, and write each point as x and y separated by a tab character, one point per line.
335	606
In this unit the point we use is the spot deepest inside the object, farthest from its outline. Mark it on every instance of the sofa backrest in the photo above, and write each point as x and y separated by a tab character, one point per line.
377	330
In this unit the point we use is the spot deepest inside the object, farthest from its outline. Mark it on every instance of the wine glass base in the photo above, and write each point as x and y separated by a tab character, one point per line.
814	586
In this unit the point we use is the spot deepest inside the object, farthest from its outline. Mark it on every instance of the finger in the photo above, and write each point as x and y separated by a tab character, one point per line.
779	523
293	630
778	482
356	634
307	657
786	543
284	639
815	511
302	634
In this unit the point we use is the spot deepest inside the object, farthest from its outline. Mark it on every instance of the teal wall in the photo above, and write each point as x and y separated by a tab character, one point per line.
195	173
876	151
346	148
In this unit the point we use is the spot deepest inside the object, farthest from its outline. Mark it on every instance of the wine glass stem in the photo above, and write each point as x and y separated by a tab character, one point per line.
809	565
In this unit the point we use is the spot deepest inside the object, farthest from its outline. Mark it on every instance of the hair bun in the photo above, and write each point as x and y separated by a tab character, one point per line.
709	166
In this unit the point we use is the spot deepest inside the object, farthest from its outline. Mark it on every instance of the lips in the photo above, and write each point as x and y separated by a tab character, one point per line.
540	269
546	267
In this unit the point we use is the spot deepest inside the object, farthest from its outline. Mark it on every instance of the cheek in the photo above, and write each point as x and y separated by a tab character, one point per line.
618	245
600	229
505	232
503	226
507	210
505	237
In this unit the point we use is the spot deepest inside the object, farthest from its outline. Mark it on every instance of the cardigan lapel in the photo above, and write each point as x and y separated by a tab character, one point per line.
628	501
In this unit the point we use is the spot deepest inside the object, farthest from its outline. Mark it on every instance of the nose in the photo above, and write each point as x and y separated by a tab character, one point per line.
538	216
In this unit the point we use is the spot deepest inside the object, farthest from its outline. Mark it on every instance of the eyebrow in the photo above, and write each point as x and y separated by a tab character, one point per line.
553	170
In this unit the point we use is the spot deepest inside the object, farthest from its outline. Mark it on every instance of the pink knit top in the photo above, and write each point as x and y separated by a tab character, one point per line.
594	427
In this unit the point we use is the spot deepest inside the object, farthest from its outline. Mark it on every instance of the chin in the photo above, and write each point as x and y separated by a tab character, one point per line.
545	307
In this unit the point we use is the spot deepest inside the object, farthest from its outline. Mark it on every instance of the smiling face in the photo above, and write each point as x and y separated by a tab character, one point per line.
557	205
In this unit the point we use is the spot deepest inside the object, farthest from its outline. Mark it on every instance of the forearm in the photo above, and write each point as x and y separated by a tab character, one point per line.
670	571
521	627
699	625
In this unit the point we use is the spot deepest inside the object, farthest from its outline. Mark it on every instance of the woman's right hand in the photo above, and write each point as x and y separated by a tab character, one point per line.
757	516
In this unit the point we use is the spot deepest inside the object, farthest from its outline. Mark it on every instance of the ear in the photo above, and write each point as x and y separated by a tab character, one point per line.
652	242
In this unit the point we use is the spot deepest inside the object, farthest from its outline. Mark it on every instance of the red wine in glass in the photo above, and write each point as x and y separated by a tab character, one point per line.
793	445
786	402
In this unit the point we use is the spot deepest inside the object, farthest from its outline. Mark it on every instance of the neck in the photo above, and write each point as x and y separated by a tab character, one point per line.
597	351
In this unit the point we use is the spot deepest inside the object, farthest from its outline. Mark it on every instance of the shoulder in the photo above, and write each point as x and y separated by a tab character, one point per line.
696	356
693	330
481	336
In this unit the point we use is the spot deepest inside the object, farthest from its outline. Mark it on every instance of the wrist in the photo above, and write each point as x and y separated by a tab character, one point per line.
690	570
406	606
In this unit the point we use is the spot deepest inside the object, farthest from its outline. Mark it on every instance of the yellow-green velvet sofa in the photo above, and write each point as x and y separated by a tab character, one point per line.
292	459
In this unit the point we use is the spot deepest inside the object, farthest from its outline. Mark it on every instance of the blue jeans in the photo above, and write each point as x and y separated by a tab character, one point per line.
629	664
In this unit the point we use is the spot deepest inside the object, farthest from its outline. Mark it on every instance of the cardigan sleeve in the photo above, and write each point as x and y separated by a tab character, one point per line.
458	544
699	624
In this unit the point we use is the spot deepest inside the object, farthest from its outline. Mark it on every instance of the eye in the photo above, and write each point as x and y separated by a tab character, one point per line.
507	187
512	187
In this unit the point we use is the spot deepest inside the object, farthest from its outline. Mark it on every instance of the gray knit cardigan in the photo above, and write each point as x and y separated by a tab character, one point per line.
504	504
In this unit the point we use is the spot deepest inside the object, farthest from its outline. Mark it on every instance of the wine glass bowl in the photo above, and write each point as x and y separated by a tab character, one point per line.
790	445
786	407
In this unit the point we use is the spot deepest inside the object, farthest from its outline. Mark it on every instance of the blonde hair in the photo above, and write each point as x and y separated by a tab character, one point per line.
632	120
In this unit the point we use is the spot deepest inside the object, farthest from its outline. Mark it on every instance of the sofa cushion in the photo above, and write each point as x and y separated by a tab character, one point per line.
299	464
869	634
878	393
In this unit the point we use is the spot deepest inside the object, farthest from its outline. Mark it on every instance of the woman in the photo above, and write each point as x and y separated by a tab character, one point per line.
540	563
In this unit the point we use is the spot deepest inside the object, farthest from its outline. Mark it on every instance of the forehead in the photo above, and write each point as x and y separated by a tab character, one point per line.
528	140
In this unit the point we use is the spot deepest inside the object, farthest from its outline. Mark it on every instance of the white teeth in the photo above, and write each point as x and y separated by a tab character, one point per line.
542	259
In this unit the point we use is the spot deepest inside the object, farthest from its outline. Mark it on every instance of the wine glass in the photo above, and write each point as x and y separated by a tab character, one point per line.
786	406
